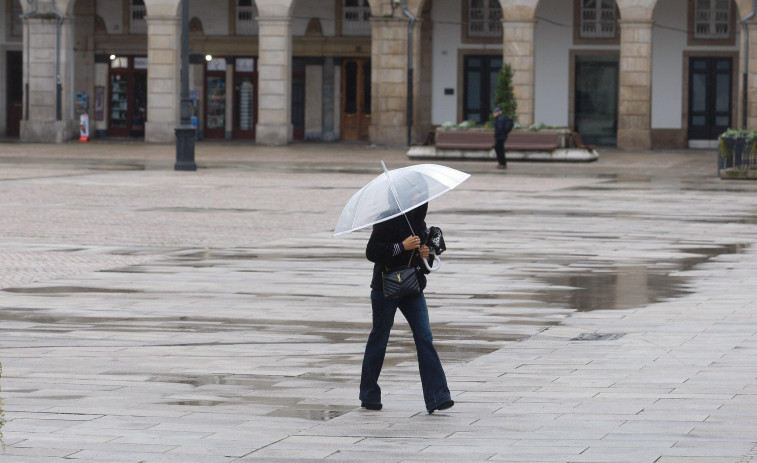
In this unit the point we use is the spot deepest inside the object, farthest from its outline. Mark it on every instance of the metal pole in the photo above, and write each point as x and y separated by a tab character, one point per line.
185	132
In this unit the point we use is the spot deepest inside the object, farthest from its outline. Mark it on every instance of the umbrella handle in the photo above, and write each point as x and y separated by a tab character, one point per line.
434	268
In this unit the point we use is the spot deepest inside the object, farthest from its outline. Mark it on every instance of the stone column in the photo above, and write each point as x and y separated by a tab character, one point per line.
45	47
518	50
99	128
635	98
163	75
389	81
751	81
274	81
330	104
314	102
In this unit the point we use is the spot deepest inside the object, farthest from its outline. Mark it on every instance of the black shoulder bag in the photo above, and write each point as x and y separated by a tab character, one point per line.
401	281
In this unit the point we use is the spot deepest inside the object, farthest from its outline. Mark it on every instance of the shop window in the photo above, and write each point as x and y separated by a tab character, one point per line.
247	13
137	13
356	17
712	20
598	19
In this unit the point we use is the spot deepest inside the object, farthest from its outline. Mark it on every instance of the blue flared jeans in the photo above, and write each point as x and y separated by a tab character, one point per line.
415	310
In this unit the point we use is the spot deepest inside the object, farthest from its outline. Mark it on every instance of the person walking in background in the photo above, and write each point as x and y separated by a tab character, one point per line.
502	127
392	244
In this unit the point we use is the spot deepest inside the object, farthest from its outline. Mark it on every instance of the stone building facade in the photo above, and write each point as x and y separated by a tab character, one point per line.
274	71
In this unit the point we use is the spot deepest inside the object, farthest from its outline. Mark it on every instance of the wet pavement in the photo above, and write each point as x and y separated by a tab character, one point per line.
599	312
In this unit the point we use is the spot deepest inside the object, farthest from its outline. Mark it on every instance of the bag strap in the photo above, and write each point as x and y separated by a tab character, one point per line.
409	262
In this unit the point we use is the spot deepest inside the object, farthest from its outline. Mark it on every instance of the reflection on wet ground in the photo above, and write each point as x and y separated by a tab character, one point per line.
565	284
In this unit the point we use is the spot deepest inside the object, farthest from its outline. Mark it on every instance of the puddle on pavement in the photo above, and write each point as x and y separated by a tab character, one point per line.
623	287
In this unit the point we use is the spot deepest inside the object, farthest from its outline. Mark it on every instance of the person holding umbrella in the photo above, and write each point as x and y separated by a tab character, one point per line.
393	244
395	204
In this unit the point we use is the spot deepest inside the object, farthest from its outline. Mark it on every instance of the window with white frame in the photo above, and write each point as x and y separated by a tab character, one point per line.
137	23
598	19
356	17
484	18
712	19
246	14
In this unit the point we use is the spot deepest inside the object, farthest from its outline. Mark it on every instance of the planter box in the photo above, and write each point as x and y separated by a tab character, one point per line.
737	158
519	140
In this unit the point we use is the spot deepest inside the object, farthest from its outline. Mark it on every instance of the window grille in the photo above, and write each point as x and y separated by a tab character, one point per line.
712	19
484	18
246	18
356	17
138	25
598	20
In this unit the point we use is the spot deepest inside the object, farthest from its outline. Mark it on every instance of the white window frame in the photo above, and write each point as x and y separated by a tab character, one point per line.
712	19
137	22
246	19
356	20
598	19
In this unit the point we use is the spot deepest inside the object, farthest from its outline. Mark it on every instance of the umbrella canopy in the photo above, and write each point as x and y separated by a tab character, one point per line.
396	192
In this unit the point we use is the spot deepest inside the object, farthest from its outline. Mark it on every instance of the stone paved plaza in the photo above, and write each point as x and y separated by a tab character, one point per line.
600	312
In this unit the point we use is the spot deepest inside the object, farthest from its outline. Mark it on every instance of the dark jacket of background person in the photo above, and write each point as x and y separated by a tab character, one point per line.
381	246
502	127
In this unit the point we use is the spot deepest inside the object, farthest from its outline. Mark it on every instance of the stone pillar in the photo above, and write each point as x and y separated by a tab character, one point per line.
635	95
329	103
43	123
751	81
163	74
518	50
314	102
274	81
389	81
99	128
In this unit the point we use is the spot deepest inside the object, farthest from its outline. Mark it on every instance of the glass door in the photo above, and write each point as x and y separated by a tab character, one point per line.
596	99
710	95
480	82
215	99
128	96
245	104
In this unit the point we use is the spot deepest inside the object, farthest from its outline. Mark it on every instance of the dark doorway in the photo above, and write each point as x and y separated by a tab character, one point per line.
14	94
298	99
596	99
710	96
480	82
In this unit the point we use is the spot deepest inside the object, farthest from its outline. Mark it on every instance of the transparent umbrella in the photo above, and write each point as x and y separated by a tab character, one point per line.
396	192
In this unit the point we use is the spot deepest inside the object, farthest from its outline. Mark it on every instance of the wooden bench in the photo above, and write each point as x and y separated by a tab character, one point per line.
465	139
532	141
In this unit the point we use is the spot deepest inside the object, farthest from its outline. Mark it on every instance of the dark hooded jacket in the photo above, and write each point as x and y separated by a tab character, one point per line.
380	248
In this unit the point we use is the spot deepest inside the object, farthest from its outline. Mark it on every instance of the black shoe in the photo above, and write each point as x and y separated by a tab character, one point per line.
442	406
501	166
368	406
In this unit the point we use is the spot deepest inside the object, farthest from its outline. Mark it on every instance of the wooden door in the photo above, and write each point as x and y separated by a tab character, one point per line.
356	99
